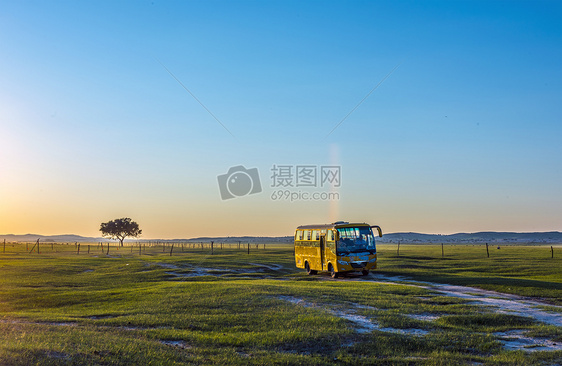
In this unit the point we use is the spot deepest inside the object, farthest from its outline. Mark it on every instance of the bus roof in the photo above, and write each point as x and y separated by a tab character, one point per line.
334	225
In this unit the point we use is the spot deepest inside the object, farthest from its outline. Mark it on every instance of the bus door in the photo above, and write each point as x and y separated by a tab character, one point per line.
323	252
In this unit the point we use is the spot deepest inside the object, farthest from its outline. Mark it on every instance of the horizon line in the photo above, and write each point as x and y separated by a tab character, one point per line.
280	236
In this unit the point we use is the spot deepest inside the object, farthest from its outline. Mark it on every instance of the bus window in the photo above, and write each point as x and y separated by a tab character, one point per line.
307	235
315	235
329	235
355	239
298	235
343	233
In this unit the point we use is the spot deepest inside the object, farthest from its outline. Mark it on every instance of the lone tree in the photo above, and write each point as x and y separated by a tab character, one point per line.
120	229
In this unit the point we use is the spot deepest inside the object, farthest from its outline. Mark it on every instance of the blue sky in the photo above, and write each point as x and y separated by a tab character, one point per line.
464	135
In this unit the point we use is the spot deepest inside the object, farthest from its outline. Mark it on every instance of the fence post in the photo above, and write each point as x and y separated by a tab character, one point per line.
248	248
487	251
212	242
171	249
442	251
551	252
78	251
398	248
38	252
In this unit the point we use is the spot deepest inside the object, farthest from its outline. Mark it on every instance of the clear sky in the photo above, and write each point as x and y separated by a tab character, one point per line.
97	121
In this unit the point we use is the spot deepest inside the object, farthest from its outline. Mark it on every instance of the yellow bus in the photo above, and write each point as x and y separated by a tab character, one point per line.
337	248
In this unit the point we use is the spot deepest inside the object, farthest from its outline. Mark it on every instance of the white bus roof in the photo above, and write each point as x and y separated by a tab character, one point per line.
333	225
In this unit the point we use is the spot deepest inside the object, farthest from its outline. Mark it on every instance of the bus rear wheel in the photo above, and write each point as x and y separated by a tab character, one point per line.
333	272
308	270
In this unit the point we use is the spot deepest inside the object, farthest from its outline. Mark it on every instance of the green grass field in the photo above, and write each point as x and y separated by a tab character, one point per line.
234	308
515	269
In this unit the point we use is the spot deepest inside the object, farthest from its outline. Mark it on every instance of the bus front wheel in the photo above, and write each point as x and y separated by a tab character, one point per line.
365	272
333	272
308	270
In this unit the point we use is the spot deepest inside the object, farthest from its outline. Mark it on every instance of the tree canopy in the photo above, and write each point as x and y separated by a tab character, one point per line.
120	229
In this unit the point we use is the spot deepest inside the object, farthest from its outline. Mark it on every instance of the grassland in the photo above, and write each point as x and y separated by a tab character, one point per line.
516	269
234	308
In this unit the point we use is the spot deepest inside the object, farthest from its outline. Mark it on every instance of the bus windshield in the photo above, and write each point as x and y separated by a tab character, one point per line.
355	240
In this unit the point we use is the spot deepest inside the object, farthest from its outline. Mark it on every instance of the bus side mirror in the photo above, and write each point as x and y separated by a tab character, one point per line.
378	229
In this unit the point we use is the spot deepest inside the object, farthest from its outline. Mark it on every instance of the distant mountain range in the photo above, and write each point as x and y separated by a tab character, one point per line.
71	238
68	238
480	237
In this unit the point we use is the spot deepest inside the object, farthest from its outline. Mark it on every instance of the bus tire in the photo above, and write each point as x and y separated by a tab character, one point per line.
365	272
333	272
308	270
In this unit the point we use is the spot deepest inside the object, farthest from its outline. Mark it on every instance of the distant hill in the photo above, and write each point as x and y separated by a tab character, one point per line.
68	238
480	237
71	238
242	239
